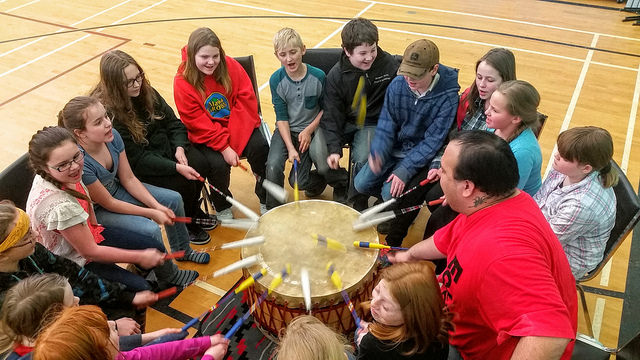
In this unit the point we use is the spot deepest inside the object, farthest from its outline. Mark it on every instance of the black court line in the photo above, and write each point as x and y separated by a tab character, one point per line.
456	27
605	292
603	7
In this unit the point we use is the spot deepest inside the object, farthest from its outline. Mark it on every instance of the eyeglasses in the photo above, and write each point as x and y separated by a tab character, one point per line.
138	79
77	158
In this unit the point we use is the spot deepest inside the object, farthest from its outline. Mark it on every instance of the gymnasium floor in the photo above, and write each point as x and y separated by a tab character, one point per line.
580	56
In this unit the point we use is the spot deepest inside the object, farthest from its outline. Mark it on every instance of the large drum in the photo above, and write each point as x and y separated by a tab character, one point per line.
288	233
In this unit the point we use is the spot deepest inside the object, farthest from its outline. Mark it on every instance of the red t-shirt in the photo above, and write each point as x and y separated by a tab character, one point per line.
507	277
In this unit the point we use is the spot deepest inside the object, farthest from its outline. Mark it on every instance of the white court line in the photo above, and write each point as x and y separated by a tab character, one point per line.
598	314
632	122
210	288
63	29
502	19
574	100
75	41
23	5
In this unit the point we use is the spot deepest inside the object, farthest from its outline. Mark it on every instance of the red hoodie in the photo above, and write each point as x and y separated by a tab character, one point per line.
218	119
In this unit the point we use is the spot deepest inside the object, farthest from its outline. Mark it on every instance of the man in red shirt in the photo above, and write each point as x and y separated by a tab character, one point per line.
507	279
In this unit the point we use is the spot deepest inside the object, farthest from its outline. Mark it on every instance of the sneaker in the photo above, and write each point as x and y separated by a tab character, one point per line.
225	214
197	235
210	225
263	208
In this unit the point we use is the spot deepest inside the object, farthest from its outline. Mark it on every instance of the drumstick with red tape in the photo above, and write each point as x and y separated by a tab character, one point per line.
328	242
277	280
376	209
337	282
370	245
174	255
198	221
245	210
167	292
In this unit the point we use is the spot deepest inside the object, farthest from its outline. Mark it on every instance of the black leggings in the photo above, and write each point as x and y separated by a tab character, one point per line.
218	172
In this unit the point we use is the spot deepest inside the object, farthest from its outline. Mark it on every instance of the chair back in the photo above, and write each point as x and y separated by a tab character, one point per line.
16	180
627	216
250	68
322	58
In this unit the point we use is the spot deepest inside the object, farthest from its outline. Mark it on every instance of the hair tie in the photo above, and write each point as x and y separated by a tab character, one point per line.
18	232
605	169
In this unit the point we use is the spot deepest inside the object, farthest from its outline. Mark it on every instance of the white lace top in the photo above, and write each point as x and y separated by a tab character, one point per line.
52	210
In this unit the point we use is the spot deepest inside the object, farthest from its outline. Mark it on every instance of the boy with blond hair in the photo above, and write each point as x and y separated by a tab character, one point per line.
296	91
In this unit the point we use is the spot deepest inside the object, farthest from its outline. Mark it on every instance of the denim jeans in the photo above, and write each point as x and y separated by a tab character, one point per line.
140	227
369	183
278	155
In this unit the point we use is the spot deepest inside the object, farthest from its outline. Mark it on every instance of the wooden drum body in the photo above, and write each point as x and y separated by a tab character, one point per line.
287	230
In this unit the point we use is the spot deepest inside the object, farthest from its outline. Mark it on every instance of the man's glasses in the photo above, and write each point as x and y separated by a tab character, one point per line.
138	79
65	166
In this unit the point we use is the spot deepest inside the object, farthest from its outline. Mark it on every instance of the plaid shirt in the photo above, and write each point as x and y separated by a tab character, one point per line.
581	215
477	121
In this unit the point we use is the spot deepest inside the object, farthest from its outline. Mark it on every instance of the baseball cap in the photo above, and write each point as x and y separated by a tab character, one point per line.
419	57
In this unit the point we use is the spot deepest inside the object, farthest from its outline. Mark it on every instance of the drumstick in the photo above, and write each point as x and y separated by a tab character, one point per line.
369	245
296	193
174	255
337	282
359	103
242	286
374	220
274	283
306	288
376	209
167	292
246	242
328	242
278	192
241	224
245	210
237	265
189	220
436	202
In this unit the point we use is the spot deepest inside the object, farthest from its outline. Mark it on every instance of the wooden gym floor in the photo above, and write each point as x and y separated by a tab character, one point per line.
580	56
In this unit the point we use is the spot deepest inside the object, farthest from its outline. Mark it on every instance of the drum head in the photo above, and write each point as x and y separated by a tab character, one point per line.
287	230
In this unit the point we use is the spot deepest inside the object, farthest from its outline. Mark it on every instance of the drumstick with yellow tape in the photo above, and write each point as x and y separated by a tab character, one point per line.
328	242
241	287
337	282
359	103
277	280
296	192
363	244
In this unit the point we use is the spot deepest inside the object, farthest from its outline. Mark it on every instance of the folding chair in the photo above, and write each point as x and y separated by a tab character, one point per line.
250	67
588	348
16	180
627	216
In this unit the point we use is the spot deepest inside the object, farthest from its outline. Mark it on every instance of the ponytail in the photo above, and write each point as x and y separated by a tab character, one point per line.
608	176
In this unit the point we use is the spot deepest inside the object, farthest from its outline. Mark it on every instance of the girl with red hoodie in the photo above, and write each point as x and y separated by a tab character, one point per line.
218	106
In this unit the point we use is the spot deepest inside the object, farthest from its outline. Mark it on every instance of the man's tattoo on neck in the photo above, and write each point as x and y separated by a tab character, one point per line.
479	201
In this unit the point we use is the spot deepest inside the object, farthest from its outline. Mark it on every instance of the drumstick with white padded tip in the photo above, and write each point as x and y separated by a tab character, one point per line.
245	210
376	209
241	287
306	288
278	192
252	241
240	224
237	265
277	280
389	215
337	282
328	242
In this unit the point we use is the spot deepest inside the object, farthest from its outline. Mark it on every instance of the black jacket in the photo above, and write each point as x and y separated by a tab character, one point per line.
340	88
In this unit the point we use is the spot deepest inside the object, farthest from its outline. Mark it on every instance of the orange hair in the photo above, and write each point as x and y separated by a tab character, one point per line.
76	333
415	288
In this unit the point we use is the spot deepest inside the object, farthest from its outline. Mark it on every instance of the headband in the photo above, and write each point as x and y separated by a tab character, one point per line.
18	231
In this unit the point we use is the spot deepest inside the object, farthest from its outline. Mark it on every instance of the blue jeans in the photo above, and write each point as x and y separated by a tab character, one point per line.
278	155
369	183
140	227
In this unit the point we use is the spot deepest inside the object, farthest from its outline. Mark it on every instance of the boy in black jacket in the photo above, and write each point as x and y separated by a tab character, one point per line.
362	57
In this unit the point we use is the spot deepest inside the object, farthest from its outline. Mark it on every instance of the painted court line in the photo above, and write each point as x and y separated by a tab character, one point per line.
210	288
502	19
62	29
23	5
574	100
631	126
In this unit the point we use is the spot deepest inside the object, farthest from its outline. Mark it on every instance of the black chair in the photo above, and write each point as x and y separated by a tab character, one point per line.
15	181
249	66
588	348
627	216
323	59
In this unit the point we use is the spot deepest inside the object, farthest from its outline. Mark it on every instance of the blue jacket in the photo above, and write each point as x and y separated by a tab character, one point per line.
410	129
